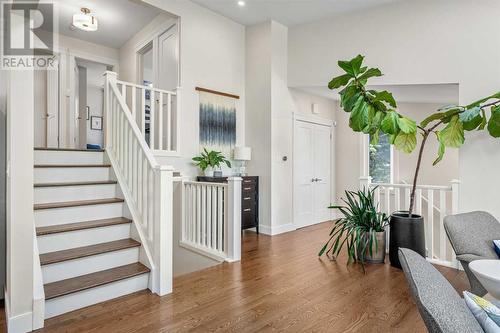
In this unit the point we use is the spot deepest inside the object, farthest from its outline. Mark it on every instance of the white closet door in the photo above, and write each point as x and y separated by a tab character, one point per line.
322	172
312	173
303	174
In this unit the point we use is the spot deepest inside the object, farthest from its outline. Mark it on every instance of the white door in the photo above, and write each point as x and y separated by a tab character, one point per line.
53	107
312	170
46	91
167	60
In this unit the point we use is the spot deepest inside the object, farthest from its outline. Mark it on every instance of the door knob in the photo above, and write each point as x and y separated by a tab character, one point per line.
318	179
313	180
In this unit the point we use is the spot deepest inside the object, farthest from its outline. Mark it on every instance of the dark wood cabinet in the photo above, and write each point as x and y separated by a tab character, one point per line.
249	199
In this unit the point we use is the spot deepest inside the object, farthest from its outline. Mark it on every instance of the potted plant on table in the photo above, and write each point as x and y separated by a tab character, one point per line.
210	161
362	228
373	112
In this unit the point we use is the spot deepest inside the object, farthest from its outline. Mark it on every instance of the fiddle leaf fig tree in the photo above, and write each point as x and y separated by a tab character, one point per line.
373	112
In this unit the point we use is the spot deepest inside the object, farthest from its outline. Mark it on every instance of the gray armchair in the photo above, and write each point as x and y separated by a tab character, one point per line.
471	235
440	306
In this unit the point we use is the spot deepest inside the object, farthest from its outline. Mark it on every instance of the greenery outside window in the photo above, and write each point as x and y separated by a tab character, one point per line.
380	160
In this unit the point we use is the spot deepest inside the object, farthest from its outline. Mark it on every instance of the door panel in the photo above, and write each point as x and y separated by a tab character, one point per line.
312	173
303	175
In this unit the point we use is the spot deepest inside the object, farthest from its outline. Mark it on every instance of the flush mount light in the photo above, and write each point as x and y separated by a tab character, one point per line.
85	21
241	3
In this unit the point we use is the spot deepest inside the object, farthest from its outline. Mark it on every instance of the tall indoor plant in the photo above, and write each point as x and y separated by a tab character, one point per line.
362	229
373	112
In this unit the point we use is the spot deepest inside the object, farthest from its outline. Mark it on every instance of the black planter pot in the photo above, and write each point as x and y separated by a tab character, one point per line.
406	232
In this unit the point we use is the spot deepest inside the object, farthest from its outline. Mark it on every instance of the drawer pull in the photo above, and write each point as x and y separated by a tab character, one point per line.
247	198
247	210
247	188
247	181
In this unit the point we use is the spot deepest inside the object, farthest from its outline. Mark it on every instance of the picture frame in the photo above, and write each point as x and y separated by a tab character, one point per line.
87	108
96	123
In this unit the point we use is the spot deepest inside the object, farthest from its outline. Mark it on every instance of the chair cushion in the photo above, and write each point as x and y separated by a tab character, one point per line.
441	307
472	233
496	245
487	314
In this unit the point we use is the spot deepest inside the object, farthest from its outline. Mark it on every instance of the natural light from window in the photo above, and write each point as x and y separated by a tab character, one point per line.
380	160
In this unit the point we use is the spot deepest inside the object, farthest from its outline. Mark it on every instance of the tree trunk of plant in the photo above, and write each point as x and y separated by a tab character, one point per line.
417	170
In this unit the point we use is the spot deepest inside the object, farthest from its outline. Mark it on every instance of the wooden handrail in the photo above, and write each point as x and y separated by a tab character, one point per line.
216	92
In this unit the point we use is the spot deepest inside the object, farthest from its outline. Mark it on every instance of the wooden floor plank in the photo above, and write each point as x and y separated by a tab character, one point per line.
54	229
280	285
83	282
86	251
65	204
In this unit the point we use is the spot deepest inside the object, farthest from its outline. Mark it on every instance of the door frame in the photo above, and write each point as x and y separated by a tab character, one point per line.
297	117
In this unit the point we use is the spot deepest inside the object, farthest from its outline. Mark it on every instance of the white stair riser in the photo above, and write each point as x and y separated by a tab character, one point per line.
73	268
69	240
46	217
72	193
74	301
52	175
68	157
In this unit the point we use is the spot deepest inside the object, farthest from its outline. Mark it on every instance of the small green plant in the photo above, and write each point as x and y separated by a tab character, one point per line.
357	229
212	159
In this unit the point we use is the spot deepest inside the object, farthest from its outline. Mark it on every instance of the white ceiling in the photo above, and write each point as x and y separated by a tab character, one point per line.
118	20
408	93
287	12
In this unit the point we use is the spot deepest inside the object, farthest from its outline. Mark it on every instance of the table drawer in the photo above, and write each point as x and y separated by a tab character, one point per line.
248	217
248	188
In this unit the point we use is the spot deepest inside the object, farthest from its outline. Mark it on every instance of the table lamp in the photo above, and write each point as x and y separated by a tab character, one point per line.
242	155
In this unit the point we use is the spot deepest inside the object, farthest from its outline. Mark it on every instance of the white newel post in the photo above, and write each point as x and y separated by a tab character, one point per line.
163	236
109	77
234	219
364	182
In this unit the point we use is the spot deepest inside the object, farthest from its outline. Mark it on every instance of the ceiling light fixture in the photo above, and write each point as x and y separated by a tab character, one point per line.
241	3
84	20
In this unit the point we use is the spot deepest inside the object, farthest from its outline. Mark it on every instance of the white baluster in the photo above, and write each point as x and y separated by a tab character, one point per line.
203	215
134	103
397	199
213	195
160	122
169	122
442	234
220	218
143	112
430	222
152	123
233	219
418	201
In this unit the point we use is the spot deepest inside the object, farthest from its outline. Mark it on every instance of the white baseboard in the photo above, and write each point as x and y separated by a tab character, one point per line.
276	230
17	324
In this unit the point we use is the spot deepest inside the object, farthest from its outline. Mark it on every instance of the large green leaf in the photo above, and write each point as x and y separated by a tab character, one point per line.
469	114
407	125
347	67
372	72
494	123
453	134
473	123
349	97
390	123
385	96
339	81
441	150
359	116
482	100
406	142
356	64
432	117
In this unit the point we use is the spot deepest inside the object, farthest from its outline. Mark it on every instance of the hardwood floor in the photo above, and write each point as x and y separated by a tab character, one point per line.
280	285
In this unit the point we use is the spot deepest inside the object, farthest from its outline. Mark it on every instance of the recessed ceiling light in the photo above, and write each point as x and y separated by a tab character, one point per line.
241	3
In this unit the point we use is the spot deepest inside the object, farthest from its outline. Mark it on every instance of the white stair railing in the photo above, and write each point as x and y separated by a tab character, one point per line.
211	218
155	112
146	185
396	197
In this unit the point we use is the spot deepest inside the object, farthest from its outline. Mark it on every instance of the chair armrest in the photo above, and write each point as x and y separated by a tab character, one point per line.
470	257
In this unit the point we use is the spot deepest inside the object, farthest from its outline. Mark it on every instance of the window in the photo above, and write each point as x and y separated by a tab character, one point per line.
380	161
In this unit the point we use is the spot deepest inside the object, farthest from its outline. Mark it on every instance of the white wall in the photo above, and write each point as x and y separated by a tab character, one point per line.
417	42
90	51
212	55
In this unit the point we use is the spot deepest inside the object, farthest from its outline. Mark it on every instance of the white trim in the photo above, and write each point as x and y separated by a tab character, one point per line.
92	57
313	119
20	323
203	251
276	230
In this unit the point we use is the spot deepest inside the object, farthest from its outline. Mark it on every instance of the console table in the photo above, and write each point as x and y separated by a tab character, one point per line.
249	199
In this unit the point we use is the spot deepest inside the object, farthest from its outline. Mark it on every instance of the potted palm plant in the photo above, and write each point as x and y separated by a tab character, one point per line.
210	161
373	112
362	229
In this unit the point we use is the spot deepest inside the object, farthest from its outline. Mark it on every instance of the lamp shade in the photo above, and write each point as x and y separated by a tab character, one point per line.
242	153
85	21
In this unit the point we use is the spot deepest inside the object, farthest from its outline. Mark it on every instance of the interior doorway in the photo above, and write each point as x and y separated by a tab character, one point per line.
312	172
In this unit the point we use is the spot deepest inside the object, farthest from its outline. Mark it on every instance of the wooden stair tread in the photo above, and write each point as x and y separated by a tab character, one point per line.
87	251
54	229
97	182
84	282
69	149
65	204
72	165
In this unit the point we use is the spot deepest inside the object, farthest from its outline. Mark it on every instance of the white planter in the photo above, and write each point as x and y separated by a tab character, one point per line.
209	172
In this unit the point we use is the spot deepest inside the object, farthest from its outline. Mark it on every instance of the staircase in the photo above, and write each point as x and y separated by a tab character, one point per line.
87	252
